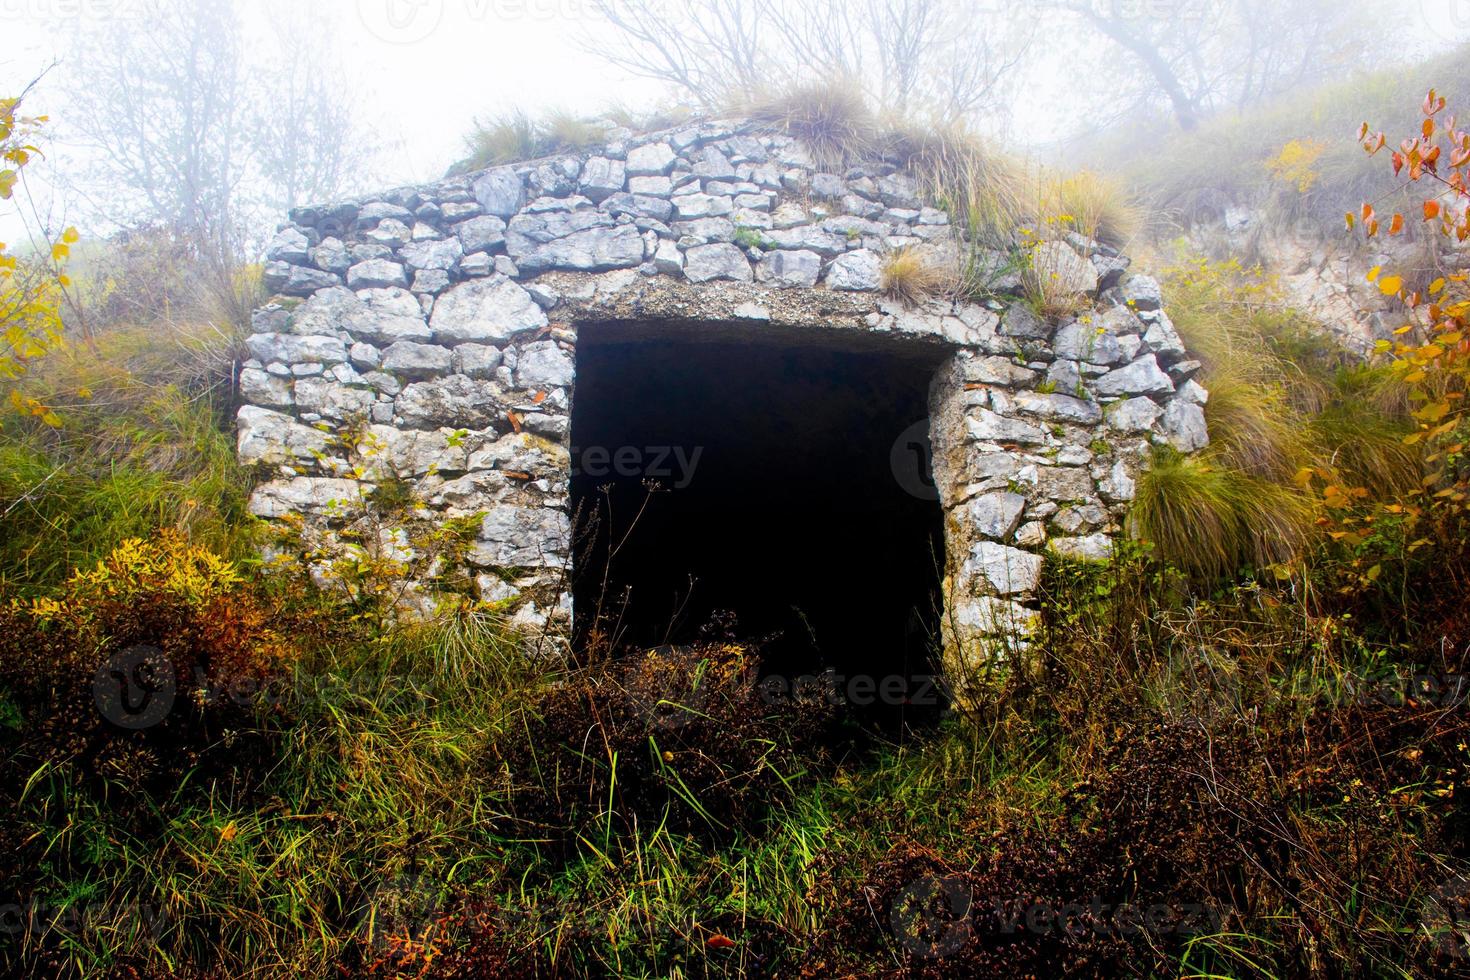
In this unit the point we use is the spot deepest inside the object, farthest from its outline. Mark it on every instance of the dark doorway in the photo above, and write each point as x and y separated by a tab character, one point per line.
755	488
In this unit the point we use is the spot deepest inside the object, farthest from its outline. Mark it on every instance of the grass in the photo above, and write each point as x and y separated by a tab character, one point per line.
911	276
831	118
1213	520
1099	207
143	443
516	136
1280	400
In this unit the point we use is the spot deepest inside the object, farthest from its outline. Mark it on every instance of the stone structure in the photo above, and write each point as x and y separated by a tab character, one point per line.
443	320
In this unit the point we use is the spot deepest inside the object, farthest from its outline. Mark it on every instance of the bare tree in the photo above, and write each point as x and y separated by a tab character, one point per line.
181	130
947	58
305	140
162	116
1200	56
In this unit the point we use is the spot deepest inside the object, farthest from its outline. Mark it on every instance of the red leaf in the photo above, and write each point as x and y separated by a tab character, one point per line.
718	941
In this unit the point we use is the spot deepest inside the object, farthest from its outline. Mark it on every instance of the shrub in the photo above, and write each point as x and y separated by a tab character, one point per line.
142	668
1212	520
986	194
140	445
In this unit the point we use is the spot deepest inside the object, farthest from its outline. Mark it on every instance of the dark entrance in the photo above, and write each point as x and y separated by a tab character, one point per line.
752	488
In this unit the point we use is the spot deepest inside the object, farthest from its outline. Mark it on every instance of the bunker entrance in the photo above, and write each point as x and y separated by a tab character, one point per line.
771	493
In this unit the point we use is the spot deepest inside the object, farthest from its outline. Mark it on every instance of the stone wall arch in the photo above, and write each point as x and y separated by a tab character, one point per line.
443	319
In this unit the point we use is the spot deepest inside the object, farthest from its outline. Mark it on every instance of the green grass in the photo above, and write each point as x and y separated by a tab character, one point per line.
143	443
1281	399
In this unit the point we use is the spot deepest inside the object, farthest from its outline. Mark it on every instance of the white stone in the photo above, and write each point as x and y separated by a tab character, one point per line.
1140	377
494	309
1093	547
789	267
544	365
703	263
995	515
1184	426
1007	570
650	159
522	537
413	360
860	270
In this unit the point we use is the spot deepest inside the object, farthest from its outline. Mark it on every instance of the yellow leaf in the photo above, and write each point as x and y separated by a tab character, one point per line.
1373	273
1390	284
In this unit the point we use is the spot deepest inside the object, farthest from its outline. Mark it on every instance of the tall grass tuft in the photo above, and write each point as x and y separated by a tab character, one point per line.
1098	206
910	275
831	119
517	136
1212	520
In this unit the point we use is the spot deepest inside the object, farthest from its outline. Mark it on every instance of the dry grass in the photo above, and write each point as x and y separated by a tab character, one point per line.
831	118
911	275
986	193
1097	206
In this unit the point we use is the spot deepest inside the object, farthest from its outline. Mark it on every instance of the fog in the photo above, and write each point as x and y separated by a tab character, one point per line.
415	74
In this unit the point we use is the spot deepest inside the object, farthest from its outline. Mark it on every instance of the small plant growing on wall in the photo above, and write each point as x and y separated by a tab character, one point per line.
383	550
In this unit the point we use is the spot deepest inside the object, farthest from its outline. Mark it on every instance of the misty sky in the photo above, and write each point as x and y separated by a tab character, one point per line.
422	70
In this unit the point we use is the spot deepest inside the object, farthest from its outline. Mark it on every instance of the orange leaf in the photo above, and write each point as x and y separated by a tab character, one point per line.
1431	210
1396	225
719	941
515	420
538	398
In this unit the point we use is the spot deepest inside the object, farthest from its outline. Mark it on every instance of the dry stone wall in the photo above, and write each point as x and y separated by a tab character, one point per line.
438	325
